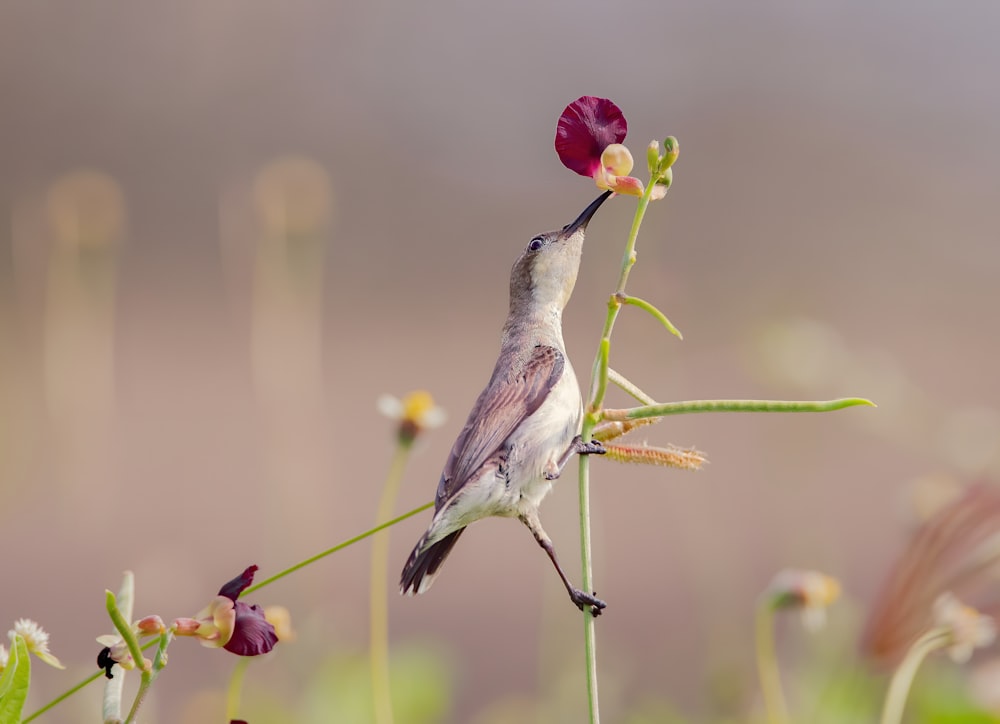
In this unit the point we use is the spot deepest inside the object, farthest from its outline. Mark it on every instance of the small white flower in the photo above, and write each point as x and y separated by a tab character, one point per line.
4	658
969	629
37	640
415	412
810	591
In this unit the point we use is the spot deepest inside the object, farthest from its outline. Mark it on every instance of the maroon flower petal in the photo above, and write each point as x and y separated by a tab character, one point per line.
588	126
235	587
252	634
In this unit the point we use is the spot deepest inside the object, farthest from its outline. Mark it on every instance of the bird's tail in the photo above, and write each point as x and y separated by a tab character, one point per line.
422	565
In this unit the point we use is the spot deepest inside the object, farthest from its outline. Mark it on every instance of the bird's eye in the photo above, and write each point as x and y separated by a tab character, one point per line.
535	244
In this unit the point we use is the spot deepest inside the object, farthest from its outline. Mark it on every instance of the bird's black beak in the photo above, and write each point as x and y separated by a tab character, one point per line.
583	219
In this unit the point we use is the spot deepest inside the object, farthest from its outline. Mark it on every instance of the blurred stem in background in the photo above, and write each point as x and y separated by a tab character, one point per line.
379	591
415	413
809	592
767	664
86	214
293	201
959	628
234	691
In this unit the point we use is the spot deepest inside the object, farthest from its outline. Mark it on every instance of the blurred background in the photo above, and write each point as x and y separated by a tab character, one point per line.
227	227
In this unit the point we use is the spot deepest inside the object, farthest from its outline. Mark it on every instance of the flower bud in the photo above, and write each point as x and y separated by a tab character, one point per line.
617	160
653	156
150	626
671	149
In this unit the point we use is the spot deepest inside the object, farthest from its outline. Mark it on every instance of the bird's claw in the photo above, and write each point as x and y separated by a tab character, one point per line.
593	447
582	599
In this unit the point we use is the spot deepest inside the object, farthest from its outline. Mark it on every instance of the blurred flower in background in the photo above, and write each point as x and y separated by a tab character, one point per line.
956	551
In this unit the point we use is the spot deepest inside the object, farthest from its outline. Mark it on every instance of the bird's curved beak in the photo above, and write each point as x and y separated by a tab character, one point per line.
583	219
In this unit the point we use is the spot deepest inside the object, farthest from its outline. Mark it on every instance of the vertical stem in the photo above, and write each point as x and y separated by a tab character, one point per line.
587	581
379	608
767	665
902	679
235	690
598	387
149	675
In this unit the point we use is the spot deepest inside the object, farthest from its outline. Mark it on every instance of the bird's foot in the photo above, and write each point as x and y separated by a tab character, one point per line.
582	599
592	447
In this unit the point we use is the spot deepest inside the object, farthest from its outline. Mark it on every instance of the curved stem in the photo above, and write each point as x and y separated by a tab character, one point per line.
235	689
112	703
902	678
378	592
660	316
767	665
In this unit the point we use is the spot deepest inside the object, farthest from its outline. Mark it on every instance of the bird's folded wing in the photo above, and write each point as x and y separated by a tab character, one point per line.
505	403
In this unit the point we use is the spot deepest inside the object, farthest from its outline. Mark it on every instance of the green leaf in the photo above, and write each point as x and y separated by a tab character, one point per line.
14	682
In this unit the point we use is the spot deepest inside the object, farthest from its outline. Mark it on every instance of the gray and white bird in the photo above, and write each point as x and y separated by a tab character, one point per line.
525	425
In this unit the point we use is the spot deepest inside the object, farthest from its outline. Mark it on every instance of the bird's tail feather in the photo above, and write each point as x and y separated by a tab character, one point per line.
422	565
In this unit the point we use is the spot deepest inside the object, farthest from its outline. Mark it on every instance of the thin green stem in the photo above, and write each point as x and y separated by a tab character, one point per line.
660	316
234	691
680	408
62	697
149	675
338	547
630	387
111	705
902	678
587	582
378	594
599	386
767	664
124	629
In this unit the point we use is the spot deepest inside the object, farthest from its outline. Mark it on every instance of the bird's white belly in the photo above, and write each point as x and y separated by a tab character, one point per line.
534	448
538	444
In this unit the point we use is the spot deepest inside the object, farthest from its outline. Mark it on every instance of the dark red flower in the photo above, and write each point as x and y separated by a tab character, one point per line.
238	627
238	585
588	126
252	633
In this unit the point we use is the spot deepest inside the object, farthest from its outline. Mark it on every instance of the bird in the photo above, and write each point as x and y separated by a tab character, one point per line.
525	426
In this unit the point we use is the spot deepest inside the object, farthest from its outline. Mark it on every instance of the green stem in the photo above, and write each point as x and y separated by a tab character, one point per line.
378	594
112	703
149	676
124	629
630	387
338	547
902	679
767	664
62	697
680	408
587	582
615	303
660	316
599	386
235	689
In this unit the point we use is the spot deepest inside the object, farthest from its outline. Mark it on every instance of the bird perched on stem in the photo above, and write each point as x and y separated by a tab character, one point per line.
524	427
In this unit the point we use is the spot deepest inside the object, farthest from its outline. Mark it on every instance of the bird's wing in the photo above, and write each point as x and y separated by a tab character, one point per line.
505	403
